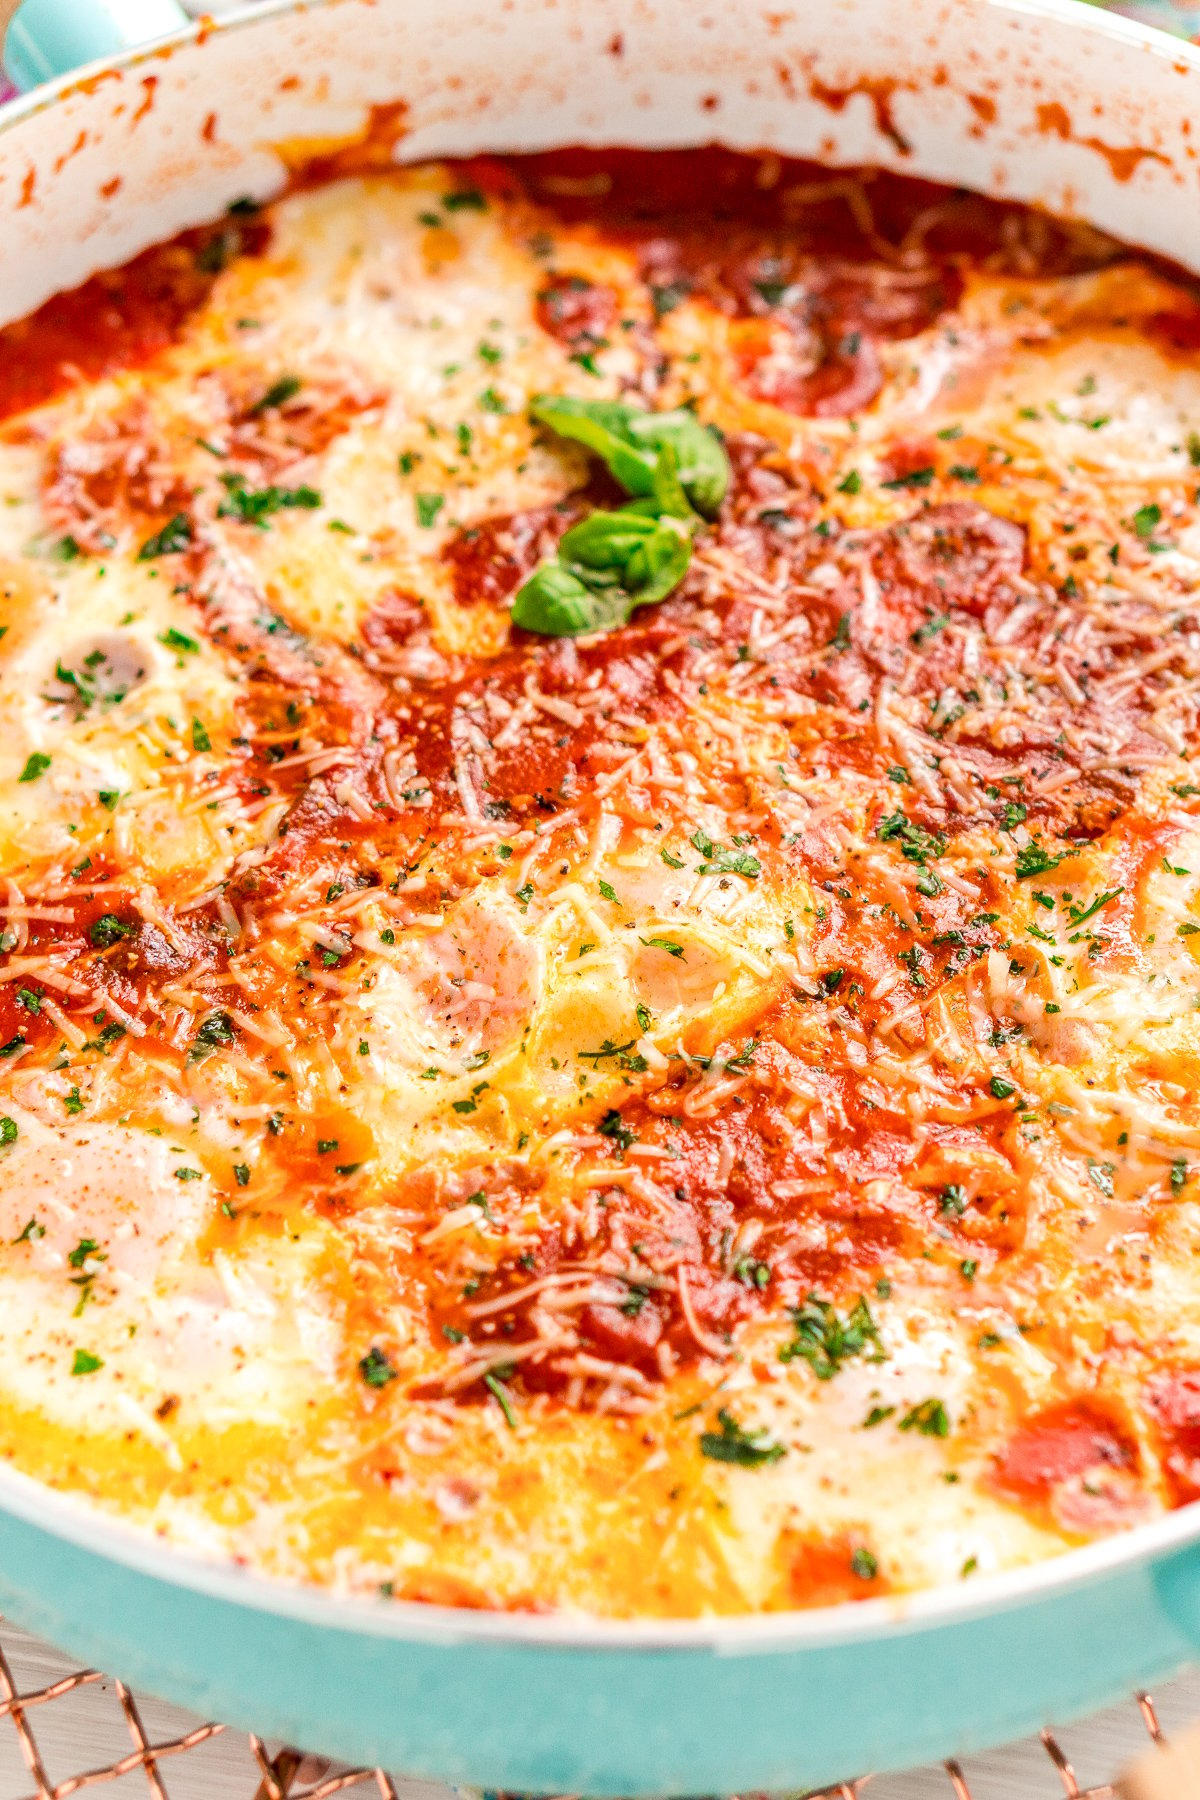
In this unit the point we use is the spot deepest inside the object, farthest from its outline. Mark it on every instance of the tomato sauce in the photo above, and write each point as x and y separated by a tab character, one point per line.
121	318
578	312
814	273
668	201
490	561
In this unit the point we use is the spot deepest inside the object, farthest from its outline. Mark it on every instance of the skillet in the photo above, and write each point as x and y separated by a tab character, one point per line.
143	125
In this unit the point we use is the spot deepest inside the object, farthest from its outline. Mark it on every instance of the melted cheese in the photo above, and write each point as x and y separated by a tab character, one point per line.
385	1047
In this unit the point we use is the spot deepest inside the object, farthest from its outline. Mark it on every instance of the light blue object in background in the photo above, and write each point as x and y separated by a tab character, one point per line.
1165	15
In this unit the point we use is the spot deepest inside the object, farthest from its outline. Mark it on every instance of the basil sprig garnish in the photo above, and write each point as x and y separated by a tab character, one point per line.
605	567
631	440
677	472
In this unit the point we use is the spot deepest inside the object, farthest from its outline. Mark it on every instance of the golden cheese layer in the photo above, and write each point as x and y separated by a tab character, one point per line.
696	1118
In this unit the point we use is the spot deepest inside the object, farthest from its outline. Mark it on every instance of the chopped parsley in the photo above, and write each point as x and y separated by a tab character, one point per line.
377	1368
620	1052
178	640
503	1399
216	1030
720	861
278	394
929	1417
825	1341
916	844
1146	519
471	1105
1101	1175
254	506
1079	914
612	1127
925	633
108	930
1033	859
670	294
916	478
732	1444
172	540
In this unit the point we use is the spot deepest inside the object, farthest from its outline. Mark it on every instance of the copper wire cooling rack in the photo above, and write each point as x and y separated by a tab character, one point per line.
65	1729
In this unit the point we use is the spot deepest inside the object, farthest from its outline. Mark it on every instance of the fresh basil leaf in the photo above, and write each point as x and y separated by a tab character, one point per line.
647	556
600	426
613	561
608	564
638	446
669	494
606	540
175	537
658	564
557	603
